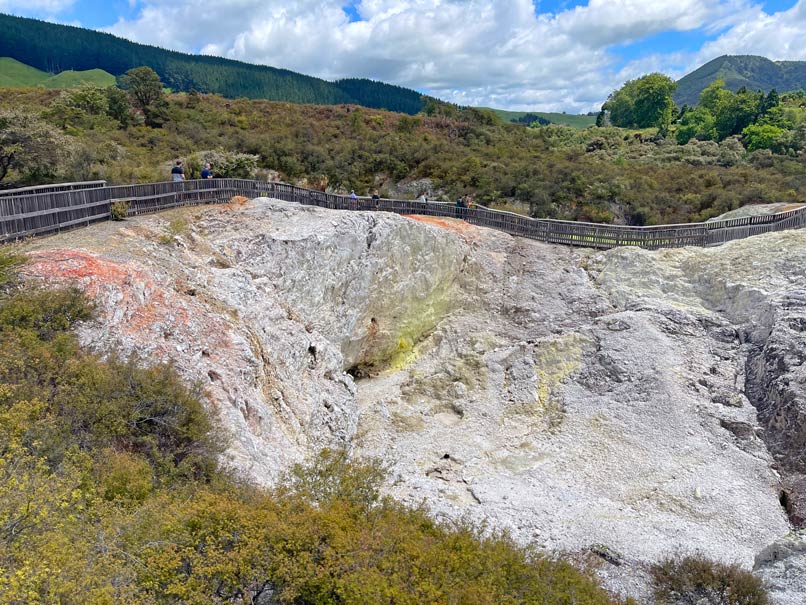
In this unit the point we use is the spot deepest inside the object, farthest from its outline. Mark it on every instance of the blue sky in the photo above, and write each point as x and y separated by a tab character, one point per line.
517	54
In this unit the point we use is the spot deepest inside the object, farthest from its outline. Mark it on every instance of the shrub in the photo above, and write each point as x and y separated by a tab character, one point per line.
124	477
225	164
176	226
37	151
45	312
333	476
119	210
332	540
698	581
64	398
10	261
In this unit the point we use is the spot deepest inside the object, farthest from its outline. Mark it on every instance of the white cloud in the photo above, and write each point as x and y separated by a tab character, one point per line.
477	52
778	36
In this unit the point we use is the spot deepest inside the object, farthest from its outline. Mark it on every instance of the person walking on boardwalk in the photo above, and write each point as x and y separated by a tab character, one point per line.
207	173
178	171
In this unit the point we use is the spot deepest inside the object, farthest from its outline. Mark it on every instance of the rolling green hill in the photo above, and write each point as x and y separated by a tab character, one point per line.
573	120
71	79
57	48
18	75
14	74
755	73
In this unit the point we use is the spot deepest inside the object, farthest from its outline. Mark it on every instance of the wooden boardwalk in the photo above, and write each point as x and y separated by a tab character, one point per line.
49	209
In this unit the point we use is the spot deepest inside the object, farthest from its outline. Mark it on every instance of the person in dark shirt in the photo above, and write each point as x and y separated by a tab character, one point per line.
178	171
207	173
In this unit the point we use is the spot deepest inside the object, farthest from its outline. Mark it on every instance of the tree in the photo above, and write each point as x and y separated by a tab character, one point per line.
696	124
602	119
143	85
193	99
118	106
764	136
739	111
88	98
714	96
620	105
33	148
769	102
226	164
732	112
653	101
78	107
643	103
145	90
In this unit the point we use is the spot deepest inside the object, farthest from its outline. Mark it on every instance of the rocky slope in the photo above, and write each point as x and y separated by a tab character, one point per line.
628	404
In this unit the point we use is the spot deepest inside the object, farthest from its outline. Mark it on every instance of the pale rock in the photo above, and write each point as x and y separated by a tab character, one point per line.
782	566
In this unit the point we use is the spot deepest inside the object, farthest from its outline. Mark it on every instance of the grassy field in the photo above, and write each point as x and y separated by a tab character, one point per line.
573	120
71	79
14	74
18	75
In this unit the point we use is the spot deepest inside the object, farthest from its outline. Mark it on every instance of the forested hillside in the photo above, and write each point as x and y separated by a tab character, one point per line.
749	71
56	48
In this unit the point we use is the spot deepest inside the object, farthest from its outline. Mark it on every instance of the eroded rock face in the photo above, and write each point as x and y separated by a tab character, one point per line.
759	286
776	386
266	305
592	402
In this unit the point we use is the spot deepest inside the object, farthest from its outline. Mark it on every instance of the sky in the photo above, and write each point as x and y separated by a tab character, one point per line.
546	55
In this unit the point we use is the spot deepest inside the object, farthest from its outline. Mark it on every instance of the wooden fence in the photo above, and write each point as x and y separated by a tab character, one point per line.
52	188
57	207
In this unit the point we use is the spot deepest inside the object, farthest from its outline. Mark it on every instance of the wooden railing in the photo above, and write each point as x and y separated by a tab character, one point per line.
55	209
52	188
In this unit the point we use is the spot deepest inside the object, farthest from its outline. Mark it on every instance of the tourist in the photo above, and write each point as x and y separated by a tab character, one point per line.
207	173
178	171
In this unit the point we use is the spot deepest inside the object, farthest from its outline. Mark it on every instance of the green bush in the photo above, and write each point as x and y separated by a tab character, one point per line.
45	312
698	581
332	540
119	210
224	164
10	261
88	403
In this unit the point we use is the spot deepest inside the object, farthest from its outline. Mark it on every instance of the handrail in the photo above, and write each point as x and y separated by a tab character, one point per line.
52	188
51	208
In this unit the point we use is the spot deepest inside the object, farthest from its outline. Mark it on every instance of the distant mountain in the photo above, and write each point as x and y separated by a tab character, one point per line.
57	48
755	73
